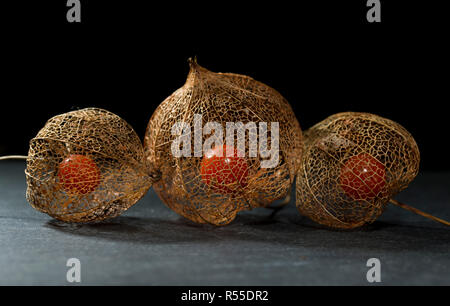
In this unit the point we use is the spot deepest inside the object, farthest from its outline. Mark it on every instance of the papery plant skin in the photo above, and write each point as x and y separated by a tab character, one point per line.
86	165
352	166
221	98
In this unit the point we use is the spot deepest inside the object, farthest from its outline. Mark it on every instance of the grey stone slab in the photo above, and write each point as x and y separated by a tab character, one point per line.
151	245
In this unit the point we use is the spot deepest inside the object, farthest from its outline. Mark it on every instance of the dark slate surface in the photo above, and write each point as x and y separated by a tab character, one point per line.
151	245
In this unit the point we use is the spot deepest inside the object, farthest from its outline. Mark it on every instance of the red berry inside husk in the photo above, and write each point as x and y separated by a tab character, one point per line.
78	174
363	177
224	174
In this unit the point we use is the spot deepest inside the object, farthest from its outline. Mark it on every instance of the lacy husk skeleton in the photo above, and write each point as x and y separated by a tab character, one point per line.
115	150
222	98
330	144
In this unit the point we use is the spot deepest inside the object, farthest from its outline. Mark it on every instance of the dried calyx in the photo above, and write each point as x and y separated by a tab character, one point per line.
352	167
213	190
86	165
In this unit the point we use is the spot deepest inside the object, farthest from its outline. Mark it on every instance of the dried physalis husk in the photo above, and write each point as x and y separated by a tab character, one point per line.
353	164
214	191
86	165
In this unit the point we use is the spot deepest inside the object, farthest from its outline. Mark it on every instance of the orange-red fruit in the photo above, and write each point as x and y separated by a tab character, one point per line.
222	173
78	174
363	177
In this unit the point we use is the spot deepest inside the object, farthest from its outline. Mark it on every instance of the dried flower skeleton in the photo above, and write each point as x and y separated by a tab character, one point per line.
86	165
213	191
352	167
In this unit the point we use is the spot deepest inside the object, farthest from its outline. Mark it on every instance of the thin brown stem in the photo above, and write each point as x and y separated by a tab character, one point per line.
13	157
419	212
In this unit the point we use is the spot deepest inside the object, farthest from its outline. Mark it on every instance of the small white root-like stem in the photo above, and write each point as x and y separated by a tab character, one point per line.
13	157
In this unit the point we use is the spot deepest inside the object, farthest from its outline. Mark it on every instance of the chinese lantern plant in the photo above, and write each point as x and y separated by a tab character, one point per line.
204	187
353	165
85	165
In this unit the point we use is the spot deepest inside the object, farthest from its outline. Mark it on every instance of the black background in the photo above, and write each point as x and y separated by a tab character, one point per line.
323	56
